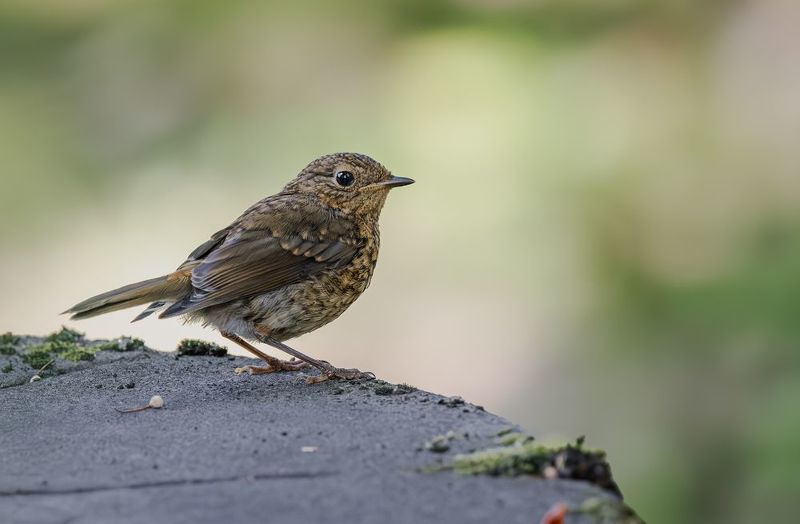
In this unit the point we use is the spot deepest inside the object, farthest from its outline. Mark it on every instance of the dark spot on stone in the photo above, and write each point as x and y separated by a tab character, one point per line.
130	385
451	402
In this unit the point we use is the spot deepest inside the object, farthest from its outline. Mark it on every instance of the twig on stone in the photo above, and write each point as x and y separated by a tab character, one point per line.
156	402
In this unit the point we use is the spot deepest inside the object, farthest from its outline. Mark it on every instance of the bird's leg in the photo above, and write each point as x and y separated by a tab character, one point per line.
327	371
275	364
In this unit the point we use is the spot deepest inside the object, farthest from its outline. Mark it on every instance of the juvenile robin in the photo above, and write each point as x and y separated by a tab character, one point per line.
290	264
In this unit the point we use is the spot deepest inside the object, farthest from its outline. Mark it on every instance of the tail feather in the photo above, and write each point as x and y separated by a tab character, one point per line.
162	289
152	308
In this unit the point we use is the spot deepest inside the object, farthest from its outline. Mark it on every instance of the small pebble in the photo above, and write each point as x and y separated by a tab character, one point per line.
308	449
35	378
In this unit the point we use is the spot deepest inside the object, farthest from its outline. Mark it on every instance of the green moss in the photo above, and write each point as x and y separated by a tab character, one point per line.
121	344
190	347
526	459
9	338
66	335
60	346
9	343
77	354
523	456
8	368
37	356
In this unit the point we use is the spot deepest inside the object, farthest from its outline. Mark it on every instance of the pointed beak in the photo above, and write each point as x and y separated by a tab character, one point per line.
395	181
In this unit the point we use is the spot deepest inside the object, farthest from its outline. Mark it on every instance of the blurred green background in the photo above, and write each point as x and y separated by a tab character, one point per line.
604	238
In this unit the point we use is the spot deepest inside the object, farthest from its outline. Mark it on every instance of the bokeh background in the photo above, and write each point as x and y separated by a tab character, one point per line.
604	238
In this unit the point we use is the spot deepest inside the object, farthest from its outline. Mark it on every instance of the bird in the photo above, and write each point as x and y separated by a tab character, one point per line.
290	264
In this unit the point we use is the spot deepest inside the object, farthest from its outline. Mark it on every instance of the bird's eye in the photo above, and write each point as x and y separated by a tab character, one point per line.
345	178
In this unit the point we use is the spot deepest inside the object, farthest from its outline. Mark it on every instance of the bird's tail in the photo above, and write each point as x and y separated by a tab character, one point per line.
168	288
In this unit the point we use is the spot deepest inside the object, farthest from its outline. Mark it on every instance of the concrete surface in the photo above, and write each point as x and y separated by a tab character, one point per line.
240	449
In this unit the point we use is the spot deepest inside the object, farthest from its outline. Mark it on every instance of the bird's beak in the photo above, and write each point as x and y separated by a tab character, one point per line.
395	181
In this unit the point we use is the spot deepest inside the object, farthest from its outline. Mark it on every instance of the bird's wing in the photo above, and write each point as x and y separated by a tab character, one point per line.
264	257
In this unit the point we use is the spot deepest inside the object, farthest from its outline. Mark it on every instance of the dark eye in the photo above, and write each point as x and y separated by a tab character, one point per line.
345	178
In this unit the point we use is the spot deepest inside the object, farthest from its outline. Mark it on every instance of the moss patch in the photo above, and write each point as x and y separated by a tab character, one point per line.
59	346
37	356
9	343
192	348
66	335
77	354
8	368
66	343
121	344
519	454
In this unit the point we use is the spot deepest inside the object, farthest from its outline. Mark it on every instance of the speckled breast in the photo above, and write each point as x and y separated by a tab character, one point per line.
309	305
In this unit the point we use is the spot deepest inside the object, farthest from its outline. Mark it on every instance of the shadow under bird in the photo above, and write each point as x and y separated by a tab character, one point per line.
290	264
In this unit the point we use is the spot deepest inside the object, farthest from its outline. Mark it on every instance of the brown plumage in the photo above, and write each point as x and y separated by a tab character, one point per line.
290	264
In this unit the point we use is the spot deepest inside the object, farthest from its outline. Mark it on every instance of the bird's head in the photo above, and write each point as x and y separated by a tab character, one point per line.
352	183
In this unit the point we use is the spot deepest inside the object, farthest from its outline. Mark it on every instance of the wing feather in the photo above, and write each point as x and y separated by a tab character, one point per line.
253	262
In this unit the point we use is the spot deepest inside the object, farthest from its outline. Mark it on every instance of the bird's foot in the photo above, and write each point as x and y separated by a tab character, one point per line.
332	373
275	366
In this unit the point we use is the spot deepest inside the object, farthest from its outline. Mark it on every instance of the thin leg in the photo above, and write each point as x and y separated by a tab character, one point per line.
275	364
327	371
